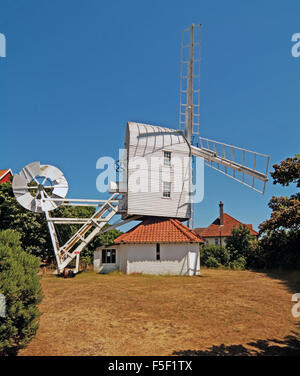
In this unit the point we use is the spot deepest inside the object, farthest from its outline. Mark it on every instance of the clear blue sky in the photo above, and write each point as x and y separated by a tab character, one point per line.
77	71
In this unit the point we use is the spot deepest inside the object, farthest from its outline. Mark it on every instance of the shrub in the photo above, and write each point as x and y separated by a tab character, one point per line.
256	256
239	243
281	249
238	264
85	262
212	262
19	283
214	256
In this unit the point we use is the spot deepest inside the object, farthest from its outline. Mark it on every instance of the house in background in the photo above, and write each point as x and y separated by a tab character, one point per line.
221	228
5	175
155	246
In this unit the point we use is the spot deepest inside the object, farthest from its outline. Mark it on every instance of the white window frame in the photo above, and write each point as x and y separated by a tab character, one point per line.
166	193
167	158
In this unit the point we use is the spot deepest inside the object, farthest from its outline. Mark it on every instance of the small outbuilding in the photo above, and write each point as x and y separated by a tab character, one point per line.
155	246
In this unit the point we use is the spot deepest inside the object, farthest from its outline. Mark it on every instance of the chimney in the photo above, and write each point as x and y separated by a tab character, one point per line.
221	213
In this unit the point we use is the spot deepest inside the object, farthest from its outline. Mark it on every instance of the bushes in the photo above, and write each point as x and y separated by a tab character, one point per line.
20	285
278	250
281	249
238	264
238	253
239	245
214	256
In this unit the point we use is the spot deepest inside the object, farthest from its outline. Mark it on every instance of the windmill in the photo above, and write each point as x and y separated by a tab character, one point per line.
158	155
249	168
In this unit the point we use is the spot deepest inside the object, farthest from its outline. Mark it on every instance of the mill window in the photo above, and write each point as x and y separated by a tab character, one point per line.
166	189
167	158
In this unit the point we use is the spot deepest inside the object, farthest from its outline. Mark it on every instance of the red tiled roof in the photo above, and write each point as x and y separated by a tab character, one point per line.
199	230
229	223
159	230
2	172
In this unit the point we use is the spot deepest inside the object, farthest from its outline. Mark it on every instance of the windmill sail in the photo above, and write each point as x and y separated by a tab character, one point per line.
245	166
189	109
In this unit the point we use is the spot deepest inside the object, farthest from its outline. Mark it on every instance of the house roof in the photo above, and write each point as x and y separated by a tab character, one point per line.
4	172
199	230
159	230
215	229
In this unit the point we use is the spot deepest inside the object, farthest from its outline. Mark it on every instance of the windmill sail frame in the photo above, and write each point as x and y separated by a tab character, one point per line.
219	156
189	108
216	155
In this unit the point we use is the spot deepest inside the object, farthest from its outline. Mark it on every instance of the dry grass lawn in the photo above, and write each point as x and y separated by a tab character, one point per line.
220	312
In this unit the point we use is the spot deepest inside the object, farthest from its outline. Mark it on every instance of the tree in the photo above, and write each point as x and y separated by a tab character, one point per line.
281	233
285	214
20	285
240	247
31	226
287	172
285	210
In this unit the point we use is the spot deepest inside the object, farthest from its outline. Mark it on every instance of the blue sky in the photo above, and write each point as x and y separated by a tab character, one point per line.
77	71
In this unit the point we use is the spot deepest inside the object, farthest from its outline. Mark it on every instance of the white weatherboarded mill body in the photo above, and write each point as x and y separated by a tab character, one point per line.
156	172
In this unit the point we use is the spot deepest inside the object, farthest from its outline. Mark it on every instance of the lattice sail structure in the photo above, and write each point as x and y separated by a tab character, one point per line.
189	110
248	167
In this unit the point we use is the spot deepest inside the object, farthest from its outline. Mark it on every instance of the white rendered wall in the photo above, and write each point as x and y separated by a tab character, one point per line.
105	268
174	258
